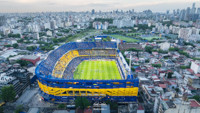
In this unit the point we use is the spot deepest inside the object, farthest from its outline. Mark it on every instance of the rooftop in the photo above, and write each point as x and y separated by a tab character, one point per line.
171	104
162	85
32	57
194	103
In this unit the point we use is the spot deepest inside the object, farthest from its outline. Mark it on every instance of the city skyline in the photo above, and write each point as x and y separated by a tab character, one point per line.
15	6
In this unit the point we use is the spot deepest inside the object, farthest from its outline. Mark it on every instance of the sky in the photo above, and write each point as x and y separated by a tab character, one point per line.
8	6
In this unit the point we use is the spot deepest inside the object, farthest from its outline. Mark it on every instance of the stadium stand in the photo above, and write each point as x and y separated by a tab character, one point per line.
47	66
56	74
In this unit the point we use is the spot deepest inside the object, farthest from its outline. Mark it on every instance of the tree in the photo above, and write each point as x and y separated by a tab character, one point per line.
20	41
113	105
174	49
147	61
196	97
47	48
133	69
8	46
14	35
156	65
19	109
61	106
31	48
55	40
148	49
127	61
184	67
15	45
1	109
170	75
82	102
7	93
177	90
183	53
23	62
134	49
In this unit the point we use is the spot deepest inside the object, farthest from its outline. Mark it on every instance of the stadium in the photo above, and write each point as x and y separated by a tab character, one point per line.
96	70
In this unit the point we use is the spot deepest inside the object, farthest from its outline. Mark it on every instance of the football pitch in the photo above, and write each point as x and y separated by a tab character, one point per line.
127	39
97	70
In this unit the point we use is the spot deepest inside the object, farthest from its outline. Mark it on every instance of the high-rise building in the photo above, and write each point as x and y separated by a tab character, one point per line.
133	10
182	14
174	12
2	20
168	12
178	11
193	11
198	11
187	13
93	11
53	24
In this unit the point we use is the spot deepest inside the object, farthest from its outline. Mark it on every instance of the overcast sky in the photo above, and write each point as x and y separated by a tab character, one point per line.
84	5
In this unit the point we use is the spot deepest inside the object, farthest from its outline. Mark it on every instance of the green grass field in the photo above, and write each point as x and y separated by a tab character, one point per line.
150	38
97	70
127	39
133	34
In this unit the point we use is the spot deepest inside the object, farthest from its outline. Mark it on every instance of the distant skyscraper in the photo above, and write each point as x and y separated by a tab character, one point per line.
193	11
182	14
178	11
133	10
198	11
174	12
167	12
188	12
93	11
2	20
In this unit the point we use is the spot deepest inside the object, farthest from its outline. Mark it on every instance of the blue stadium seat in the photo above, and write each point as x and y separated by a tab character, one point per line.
47	66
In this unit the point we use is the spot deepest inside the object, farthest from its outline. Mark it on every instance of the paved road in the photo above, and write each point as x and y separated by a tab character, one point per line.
26	97
31	98
37	102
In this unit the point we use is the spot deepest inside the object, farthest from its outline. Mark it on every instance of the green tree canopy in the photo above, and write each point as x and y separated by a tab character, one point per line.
14	35
82	102
31	48
113	105
19	109
20	41
148	49
23	62
7	93
61	106
170	74
156	65
196	97
15	45
134	49
1	109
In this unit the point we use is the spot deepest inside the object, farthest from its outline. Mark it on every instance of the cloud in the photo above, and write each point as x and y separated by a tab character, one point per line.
26	1
51	3
3	1
83	5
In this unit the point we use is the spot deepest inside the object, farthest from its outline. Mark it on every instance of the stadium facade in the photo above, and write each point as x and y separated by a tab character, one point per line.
57	84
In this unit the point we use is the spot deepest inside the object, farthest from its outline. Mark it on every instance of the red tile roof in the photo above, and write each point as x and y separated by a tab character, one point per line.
198	75
194	103
163	85
140	107
190	70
